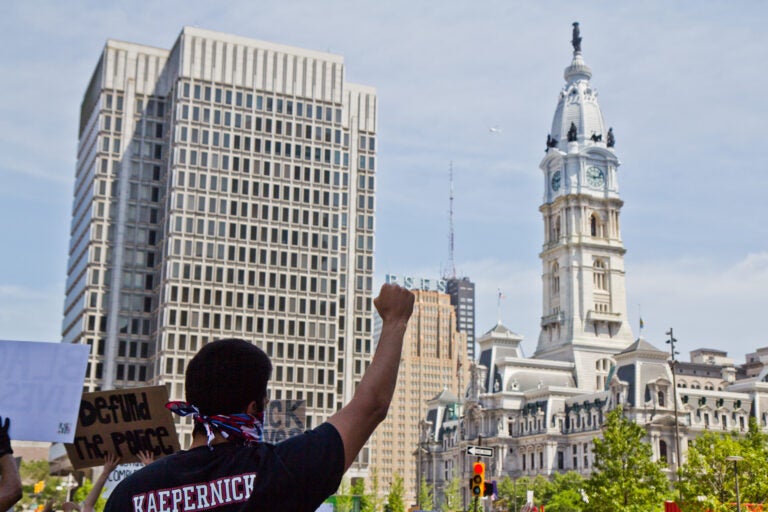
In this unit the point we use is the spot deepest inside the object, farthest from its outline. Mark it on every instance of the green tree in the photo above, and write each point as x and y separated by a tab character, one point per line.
426	495
624	477
505	489
564	493
35	471
366	500
512	493
395	500
377	499
709	480
344	500
753	471
706	480
452	496
541	487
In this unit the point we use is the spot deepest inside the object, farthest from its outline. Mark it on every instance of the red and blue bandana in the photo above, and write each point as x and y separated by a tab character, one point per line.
239	428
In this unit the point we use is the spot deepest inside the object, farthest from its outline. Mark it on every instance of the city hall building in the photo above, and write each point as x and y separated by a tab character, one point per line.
539	415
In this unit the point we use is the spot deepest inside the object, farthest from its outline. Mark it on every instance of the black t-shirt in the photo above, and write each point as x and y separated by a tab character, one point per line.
297	474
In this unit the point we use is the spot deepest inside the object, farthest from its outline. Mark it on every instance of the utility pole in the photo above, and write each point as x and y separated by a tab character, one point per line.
673	365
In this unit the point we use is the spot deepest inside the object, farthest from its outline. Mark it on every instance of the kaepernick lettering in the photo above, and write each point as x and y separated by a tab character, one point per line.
208	495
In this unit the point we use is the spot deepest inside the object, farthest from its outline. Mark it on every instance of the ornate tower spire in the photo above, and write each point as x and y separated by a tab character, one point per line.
584	300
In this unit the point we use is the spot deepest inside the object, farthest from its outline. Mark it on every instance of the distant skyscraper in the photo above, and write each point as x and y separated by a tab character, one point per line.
432	361
462	292
224	188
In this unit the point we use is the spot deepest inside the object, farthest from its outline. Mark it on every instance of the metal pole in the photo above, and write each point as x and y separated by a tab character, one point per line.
673	365
735	459
419	472
514	494
434	476
738	498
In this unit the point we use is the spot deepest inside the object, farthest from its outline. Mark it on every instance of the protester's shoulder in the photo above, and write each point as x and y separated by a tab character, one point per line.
325	433
313	461
321	445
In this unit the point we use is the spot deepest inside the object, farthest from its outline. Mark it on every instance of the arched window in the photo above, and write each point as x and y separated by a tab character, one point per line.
593	225
600	275
557	228
662	450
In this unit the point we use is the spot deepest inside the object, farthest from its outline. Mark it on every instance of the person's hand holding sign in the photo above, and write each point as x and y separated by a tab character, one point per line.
5	438
146	457
10	482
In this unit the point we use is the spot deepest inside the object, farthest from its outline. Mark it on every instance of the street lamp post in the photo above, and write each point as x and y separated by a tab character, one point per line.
433	447
735	459
68	483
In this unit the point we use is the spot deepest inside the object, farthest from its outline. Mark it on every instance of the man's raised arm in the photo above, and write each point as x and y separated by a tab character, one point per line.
357	420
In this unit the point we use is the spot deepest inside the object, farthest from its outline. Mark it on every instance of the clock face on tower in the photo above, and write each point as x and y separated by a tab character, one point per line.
595	177
556	181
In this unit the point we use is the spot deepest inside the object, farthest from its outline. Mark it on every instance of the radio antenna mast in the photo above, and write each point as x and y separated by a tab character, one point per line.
452	261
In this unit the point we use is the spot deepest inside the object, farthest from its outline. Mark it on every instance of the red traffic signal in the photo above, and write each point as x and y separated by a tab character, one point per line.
477	485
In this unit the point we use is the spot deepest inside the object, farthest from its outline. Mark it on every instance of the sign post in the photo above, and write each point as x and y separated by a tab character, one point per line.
480	451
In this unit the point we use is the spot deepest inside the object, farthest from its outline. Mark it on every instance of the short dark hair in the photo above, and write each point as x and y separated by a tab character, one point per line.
226	375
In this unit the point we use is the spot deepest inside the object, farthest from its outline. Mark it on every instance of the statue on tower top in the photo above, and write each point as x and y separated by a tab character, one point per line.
576	41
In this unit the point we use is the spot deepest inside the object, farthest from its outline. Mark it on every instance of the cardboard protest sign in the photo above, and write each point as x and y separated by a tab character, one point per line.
284	419
124	422
40	388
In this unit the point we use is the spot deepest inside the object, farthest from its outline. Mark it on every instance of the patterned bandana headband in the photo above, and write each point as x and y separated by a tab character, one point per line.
239	428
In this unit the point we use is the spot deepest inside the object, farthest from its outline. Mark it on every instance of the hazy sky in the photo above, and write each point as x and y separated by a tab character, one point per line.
681	83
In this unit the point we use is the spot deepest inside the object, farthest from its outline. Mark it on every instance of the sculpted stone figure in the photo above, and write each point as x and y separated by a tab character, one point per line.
572	133
576	40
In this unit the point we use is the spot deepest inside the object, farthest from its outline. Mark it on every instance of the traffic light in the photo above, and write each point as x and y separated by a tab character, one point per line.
490	488
477	486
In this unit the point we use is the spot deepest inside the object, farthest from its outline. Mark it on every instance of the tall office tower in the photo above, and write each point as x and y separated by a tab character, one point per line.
430	363
224	188
462	292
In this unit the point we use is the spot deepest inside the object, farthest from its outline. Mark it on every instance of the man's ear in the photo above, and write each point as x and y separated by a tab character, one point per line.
253	408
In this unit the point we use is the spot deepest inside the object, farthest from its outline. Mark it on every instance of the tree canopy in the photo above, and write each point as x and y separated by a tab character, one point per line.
624	476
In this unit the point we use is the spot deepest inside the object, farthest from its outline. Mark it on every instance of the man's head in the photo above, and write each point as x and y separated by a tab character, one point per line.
227	375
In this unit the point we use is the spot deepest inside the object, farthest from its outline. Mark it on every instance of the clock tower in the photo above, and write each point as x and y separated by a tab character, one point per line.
584	316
